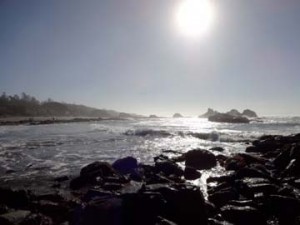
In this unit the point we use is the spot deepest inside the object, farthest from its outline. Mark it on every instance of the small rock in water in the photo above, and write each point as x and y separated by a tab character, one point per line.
218	149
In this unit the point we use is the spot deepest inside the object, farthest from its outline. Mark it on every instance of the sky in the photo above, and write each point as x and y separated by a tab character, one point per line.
130	56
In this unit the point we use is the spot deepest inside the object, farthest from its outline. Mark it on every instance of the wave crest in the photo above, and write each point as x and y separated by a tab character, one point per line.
147	132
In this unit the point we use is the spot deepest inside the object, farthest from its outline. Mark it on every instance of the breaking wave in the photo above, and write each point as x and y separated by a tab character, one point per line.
148	132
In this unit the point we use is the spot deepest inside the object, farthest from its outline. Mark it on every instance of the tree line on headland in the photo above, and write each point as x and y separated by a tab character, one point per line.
25	105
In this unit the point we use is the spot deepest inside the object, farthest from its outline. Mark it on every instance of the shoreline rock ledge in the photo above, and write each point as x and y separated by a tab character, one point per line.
261	186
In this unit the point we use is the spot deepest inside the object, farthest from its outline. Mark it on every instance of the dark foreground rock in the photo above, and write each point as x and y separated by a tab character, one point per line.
200	159
261	188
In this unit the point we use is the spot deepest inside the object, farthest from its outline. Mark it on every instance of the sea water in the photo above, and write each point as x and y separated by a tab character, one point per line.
46	151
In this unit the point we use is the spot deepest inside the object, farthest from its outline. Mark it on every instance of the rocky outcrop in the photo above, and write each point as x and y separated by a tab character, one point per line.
233	112
249	113
153	116
210	112
227	118
177	115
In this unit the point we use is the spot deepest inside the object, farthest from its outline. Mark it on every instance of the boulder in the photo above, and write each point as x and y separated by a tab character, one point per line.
191	174
102	169
200	159
96	173
125	165
142	208
168	167
185	205
106	211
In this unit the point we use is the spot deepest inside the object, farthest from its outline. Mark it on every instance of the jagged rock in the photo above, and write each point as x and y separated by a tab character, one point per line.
15	217
142	208
235	163
243	215
57	211
249	113
97	169
14	198
168	167
220	186
3	209
249	187
226	118
212	221
210	112
163	221
222	197
37	219
185	204
153	116
200	159
106	211
177	115
250	172
227	179
286	208
96	173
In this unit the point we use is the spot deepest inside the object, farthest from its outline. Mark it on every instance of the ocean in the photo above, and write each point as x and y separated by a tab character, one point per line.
47	151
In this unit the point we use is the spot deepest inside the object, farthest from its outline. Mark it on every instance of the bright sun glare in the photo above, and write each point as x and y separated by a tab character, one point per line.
194	18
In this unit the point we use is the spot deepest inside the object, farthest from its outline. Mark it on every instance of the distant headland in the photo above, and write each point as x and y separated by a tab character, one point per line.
26	109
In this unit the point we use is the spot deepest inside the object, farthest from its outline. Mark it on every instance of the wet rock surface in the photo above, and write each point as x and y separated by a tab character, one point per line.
261	188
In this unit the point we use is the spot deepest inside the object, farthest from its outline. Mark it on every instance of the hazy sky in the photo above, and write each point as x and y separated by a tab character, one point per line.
128	55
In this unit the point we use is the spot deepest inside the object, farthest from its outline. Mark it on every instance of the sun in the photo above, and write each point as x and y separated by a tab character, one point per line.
194	18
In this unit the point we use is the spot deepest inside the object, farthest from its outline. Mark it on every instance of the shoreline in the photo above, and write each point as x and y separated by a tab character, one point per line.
13	121
262	187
